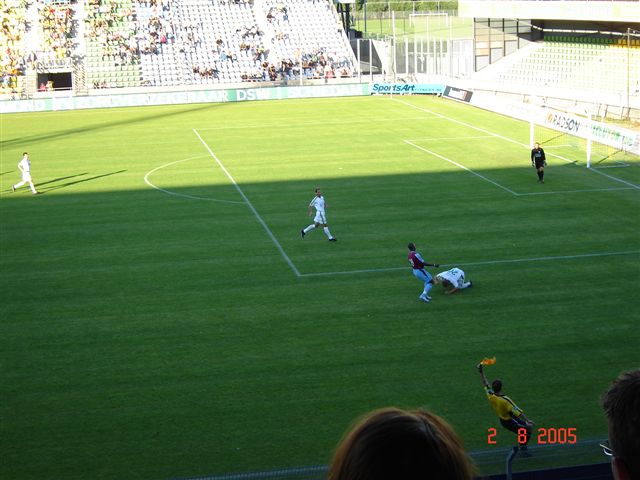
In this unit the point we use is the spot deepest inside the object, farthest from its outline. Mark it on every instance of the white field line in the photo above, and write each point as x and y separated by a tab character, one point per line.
613	189
596	170
510	140
303	124
427	139
246	200
460	166
175	194
620	165
488	262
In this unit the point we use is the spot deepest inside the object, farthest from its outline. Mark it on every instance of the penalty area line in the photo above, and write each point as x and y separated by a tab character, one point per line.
250	205
576	191
459	165
487	262
611	177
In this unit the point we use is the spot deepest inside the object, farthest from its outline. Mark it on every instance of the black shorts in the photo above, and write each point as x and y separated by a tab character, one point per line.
540	163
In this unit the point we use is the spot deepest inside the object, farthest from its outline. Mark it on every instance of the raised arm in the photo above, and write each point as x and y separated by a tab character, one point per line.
483	377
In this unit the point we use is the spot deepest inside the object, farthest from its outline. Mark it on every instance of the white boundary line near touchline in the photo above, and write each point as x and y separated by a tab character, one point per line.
250	205
516	194
488	262
555	192
325	123
633	185
175	194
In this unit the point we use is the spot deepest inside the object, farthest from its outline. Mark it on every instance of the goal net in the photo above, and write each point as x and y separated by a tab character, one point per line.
578	138
430	24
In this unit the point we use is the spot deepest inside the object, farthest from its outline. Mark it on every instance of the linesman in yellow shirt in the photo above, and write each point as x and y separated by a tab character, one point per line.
511	416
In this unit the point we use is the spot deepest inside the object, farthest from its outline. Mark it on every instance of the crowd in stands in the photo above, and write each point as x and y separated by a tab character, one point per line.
121	32
316	63
104	21
57	26
13	58
158	30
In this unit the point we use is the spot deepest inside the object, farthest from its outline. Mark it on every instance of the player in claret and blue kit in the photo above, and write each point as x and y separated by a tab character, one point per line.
418	264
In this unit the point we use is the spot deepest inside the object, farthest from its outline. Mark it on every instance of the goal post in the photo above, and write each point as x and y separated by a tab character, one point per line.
579	138
429	22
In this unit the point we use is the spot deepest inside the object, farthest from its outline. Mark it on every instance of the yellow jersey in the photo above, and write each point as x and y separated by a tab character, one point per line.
503	405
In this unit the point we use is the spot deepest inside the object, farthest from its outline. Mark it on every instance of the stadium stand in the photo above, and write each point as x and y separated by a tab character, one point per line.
13	58
307	32
587	63
156	43
132	43
112	57
214	40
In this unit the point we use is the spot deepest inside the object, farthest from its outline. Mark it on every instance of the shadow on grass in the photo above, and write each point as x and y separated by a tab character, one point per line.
151	114
68	184
62	178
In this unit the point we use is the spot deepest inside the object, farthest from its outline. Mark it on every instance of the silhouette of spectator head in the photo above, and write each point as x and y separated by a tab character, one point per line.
401	445
621	404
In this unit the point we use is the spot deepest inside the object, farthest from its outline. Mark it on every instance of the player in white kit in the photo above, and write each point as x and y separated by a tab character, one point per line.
452	280
320	219
25	168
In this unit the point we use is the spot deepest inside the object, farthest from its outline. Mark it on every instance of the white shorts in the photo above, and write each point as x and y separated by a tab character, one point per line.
26	177
320	218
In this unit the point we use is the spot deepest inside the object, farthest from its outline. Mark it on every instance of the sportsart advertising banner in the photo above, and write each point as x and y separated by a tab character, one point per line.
406	88
582	127
150	97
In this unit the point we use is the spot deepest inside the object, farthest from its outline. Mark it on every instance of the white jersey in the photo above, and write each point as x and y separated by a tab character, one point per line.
455	276
318	204
25	167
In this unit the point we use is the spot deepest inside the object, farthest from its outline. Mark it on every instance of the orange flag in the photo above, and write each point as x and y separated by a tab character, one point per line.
488	361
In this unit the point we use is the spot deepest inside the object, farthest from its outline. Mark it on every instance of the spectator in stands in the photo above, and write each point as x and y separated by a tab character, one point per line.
396	444
621	404
511	416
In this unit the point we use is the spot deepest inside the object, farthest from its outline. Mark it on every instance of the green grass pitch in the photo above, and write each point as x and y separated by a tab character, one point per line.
162	318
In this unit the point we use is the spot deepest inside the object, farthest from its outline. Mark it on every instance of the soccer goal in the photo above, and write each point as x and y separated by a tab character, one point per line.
429	23
579	138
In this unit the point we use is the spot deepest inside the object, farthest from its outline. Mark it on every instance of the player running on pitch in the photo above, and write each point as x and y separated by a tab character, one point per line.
452	280
25	170
418	264
320	219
